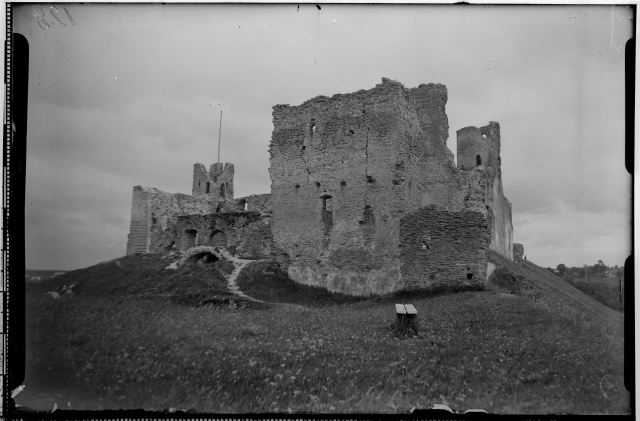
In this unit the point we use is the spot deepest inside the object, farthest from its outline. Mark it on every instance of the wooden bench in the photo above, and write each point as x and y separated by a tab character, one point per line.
406	318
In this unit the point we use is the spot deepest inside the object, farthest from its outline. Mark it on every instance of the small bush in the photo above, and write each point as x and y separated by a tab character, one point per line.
507	280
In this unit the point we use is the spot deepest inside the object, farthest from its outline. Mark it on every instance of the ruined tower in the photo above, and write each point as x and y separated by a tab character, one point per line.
366	197
479	150
217	183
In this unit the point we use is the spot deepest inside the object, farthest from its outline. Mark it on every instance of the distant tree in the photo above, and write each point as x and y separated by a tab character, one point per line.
599	268
562	269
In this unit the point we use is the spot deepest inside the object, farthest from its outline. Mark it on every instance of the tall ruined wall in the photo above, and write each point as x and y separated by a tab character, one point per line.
439	247
217	183
139	237
479	150
431	162
345	170
153	217
246	233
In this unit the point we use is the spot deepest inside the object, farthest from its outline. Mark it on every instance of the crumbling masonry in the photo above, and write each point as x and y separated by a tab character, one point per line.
365	197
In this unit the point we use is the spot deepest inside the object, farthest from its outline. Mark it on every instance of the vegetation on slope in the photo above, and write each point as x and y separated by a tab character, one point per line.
608	291
519	353
558	295
142	277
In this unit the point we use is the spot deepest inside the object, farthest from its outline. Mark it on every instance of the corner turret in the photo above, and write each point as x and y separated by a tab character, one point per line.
479	147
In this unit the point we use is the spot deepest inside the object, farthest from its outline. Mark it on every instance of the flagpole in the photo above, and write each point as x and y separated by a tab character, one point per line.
219	136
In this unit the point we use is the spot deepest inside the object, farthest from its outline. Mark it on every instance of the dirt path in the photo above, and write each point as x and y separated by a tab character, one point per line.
231	278
233	287
238	264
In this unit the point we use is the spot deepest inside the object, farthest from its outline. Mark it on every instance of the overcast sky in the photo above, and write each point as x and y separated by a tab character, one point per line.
132	96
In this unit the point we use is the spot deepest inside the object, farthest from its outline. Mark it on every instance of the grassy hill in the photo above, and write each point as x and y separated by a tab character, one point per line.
608	291
134	335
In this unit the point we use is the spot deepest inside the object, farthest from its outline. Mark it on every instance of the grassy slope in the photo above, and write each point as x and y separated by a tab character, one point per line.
555	288
114	344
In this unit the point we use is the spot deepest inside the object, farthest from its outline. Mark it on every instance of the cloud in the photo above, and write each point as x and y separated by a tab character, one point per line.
573	237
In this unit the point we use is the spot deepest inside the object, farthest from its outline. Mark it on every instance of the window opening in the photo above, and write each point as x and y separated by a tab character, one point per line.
208	186
327	209
223	191
478	160
191	239
368	218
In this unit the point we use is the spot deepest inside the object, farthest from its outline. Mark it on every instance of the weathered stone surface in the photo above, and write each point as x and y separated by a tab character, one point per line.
153	217
365	197
442	247
217	183
345	170
518	251
255	203
247	233
479	148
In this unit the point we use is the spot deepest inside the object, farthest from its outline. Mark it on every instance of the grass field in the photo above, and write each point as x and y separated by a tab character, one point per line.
133	336
608	291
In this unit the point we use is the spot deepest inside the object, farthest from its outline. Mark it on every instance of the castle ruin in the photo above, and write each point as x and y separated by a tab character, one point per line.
365	197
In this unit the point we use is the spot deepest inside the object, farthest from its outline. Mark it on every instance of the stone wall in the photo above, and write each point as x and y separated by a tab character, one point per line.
154	214
246	233
139	238
346	169
255	203
439	247
518	251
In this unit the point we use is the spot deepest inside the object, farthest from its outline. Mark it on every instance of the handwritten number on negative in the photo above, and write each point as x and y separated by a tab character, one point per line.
39	18
55	9
44	25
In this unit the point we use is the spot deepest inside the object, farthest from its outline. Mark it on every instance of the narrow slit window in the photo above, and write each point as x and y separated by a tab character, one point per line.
208	186
478	160
327	209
